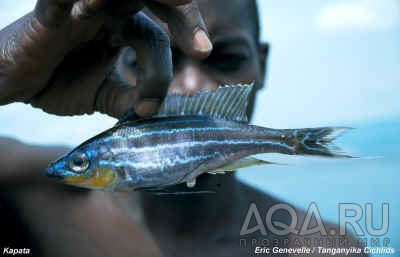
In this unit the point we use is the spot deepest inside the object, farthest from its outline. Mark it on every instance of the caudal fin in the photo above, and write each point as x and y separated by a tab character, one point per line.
318	141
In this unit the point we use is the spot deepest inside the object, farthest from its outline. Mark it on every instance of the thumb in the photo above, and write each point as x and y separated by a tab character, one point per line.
154	66
115	97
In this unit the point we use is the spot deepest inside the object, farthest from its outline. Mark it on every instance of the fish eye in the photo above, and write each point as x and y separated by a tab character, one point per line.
79	162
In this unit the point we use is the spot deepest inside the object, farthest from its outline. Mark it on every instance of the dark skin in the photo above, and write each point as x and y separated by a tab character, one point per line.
66	221
66	49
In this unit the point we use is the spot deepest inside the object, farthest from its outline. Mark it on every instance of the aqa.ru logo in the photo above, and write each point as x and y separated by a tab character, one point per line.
281	229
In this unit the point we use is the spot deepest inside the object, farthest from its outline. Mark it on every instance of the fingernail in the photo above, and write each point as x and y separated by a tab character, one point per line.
202	42
147	107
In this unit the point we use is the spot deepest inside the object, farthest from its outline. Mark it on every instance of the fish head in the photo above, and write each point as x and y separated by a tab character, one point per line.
82	167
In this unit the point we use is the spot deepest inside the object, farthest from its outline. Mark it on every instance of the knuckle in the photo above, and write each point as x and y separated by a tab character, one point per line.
52	13
81	10
113	96
187	21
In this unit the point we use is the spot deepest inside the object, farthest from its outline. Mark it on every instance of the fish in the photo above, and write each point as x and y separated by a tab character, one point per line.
207	132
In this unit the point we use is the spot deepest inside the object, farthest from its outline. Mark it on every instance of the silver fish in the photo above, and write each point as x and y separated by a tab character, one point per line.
190	135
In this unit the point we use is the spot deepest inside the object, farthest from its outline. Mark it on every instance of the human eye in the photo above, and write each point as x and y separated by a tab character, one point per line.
229	55
226	62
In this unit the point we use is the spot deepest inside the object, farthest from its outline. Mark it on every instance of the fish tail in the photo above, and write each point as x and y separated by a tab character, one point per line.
318	141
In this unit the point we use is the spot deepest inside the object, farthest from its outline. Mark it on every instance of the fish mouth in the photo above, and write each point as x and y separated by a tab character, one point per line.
52	172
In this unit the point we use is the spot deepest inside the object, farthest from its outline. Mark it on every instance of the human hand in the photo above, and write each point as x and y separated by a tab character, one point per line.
60	57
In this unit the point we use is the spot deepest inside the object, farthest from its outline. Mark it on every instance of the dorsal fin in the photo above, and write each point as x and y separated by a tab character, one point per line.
226	103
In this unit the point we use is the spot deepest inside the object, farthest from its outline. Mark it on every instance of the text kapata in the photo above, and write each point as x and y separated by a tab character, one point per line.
15	251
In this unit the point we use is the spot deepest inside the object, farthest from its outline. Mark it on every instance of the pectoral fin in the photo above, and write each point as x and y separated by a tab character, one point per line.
239	164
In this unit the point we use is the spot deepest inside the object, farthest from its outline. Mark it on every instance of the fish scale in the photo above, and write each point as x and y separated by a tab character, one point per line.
173	146
190	135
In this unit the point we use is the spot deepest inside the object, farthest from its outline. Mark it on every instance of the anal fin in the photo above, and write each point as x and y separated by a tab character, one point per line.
181	193
239	164
168	191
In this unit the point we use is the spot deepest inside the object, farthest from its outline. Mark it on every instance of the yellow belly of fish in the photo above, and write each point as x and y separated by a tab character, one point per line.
100	179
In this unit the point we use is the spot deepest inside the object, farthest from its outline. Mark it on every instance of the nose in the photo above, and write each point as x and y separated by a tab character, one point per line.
191	78
52	172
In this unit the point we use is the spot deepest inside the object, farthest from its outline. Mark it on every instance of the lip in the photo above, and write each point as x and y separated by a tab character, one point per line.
52	172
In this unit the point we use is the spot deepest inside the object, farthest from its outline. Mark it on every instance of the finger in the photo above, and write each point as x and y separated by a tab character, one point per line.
115	97
186	26
74	84
154	71
117	8
53	13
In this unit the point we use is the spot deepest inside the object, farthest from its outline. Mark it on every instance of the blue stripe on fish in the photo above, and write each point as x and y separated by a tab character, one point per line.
198	143
171	122
164	162
170	131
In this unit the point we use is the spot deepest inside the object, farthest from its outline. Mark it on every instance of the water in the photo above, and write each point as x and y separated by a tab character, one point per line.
373	178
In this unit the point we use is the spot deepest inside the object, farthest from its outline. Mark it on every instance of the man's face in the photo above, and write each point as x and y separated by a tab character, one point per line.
237	55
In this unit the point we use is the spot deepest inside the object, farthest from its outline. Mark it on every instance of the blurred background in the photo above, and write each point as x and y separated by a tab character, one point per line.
332	62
